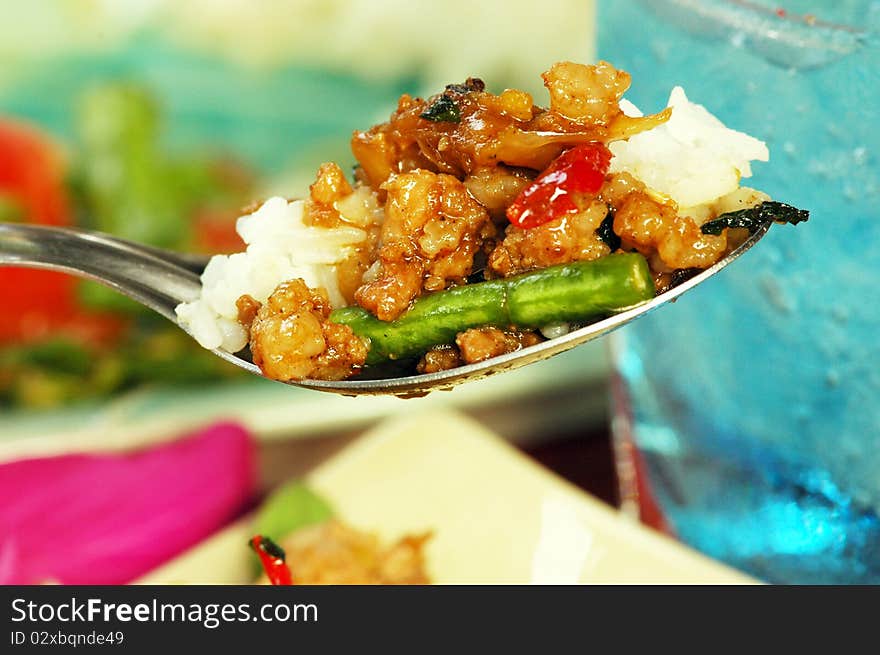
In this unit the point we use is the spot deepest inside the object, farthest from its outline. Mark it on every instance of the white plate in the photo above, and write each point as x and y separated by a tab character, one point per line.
497	516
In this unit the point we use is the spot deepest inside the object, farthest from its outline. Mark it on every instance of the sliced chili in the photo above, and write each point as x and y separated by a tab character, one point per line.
581	169
272	557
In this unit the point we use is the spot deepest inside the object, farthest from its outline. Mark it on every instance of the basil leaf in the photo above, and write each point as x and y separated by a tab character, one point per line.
605	231
442	109
754	217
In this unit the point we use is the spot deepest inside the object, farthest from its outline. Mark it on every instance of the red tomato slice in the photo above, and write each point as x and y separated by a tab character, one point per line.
36	304
215	233
32	173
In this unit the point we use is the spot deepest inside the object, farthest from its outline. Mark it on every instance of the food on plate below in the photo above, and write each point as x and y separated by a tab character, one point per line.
332	553
478	224
315	547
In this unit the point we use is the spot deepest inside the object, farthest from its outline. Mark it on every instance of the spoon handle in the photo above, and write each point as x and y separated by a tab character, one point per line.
150	276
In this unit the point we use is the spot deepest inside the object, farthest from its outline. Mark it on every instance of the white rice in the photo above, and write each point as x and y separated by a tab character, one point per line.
279	248
555	330
692	158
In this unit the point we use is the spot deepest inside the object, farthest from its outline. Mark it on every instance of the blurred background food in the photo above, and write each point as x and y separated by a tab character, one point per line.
159	121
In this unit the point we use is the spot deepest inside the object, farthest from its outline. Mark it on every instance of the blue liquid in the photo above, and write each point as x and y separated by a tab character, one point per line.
757	396
739	499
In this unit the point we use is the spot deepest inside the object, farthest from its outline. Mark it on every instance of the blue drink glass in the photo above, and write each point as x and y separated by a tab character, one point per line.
748	414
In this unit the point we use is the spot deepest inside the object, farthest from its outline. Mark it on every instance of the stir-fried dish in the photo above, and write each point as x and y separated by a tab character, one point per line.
315	547
333	553
477	224
62	339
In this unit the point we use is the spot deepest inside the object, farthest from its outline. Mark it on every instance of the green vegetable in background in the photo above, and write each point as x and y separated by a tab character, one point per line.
290	507
62	370
124	181
163	354
10	209
569	292
126	184
48	373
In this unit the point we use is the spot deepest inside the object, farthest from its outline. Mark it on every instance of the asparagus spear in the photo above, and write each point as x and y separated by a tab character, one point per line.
568	292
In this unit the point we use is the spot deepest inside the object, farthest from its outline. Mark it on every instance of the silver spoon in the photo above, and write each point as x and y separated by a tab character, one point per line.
162	279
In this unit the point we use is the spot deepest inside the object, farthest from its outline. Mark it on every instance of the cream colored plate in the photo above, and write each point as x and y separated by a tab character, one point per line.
497	516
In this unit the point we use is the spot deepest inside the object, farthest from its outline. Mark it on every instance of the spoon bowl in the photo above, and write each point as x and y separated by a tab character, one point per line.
161	280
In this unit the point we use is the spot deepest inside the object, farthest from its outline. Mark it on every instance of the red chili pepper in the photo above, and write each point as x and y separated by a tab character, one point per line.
272	558
581	169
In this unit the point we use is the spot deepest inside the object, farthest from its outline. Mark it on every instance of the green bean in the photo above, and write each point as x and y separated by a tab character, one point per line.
564	293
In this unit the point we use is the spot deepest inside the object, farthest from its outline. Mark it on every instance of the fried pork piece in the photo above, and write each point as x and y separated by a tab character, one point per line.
466	128
247	307
330	186
333	553
291	339
569	238
439	358
588	94
432	230
333	203
496	187
475	345
654	228
479	344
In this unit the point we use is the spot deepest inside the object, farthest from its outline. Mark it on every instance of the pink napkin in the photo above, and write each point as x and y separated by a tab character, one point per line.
107	519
